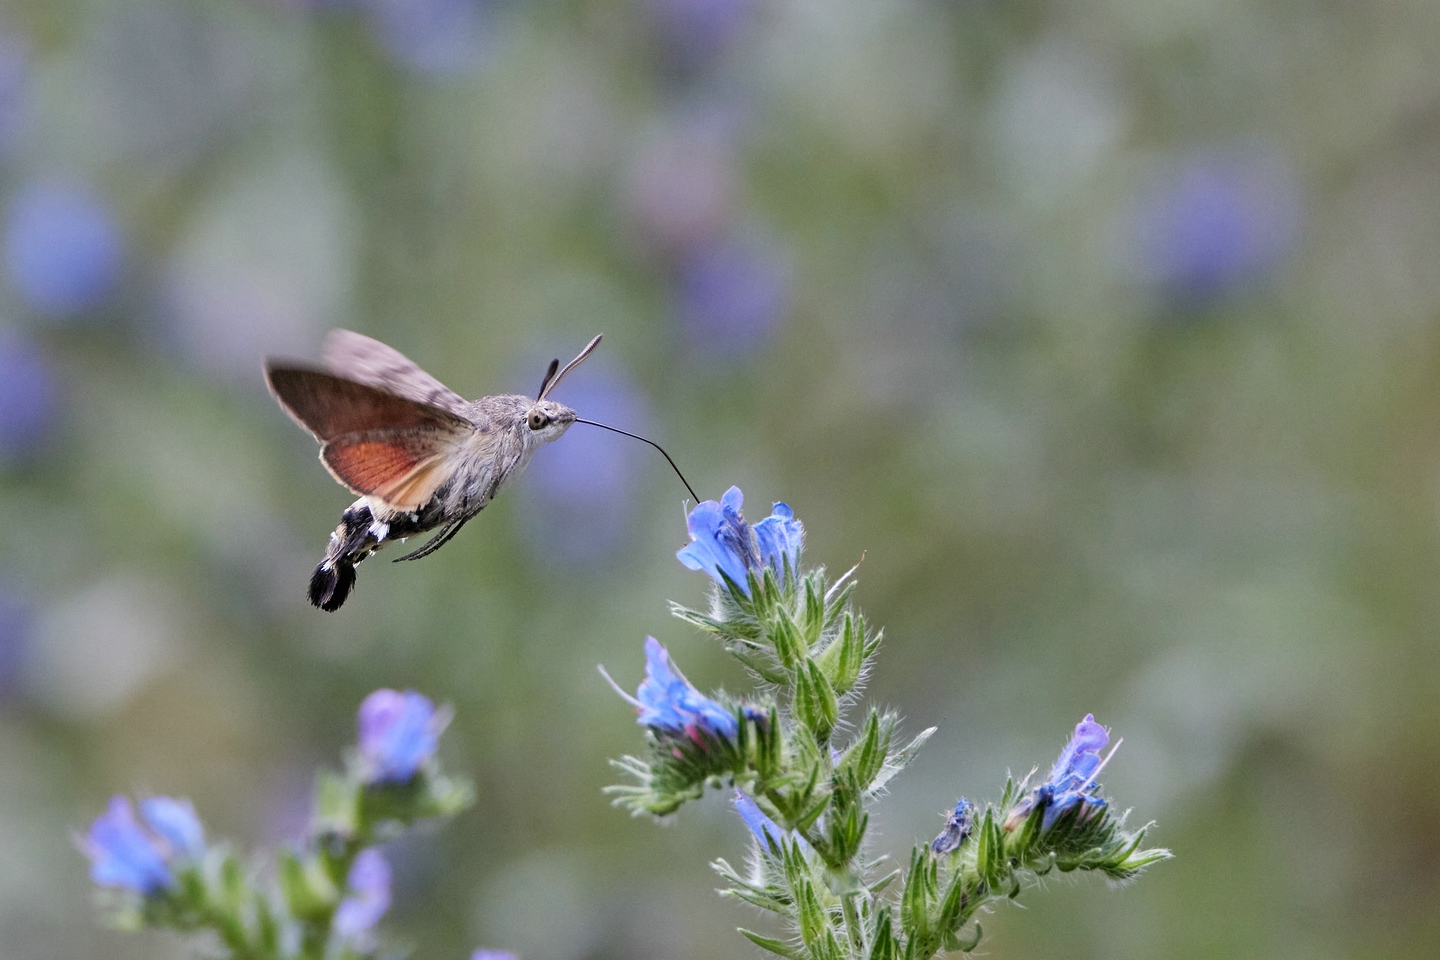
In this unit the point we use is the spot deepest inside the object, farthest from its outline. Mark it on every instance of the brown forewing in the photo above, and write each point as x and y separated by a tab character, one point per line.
355	356
377	444
329	406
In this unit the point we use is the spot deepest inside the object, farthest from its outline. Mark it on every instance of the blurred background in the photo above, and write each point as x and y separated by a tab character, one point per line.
1107	333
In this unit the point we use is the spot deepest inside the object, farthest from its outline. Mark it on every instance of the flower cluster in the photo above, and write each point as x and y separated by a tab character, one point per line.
399	733
958	824
805	797
142	858
669	705
730	550
1071	784
330	892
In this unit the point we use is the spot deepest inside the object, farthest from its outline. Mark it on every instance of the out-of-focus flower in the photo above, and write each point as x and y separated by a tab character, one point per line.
125	854
27	398
1072	780
732	294
724	545
62	249
399	733
668	704
958	824
14	88
432	36
176	823
264	265
696	31
16	628
581	494
764	829
1221	223
172	81
367	899
492	955
679	189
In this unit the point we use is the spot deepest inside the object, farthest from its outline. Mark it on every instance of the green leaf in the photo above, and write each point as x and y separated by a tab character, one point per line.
309	891
813	620
815	702
884	946
842	660
778	947
784	636
337	804
898	760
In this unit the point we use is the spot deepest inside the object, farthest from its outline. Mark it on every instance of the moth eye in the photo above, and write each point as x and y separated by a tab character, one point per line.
538	420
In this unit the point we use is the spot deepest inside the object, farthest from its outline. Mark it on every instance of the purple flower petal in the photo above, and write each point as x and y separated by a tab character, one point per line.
670	705
399	733
176	823
1072	780
62	249
764	829
723	543
369	898
123	855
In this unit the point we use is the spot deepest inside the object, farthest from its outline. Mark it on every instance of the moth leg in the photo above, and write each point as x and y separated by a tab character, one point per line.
436	542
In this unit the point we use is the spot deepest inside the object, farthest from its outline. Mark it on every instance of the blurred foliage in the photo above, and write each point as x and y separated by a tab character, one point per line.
1106	333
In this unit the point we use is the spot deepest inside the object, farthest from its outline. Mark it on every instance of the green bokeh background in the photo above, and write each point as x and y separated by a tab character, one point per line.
1203	508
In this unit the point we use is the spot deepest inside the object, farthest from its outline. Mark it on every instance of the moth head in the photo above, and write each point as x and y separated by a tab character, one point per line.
547	420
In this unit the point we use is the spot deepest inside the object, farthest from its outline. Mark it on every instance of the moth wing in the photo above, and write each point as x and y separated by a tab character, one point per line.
377	444
331	406
402	469
355	356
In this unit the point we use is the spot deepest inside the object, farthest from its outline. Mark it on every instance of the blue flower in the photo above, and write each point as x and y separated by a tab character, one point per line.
958	825
668	704
175	822
732	295
369	897
780	537
1072	780
493	955
399	733
62	250
764	829
1223	222
434	37
725	546
697	31
27	398
125	854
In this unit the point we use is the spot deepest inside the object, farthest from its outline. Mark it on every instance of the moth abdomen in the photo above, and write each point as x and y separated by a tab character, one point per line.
331	583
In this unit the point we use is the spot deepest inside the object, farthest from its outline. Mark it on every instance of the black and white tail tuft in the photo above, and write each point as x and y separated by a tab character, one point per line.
352	541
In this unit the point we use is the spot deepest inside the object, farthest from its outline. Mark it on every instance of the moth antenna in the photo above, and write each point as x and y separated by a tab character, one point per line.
637	436
549	375
552	382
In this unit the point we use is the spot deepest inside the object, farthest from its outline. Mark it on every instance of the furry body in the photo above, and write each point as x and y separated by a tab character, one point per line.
419	455
494	454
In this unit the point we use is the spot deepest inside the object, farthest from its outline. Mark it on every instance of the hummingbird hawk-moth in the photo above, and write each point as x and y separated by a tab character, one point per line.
419	455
